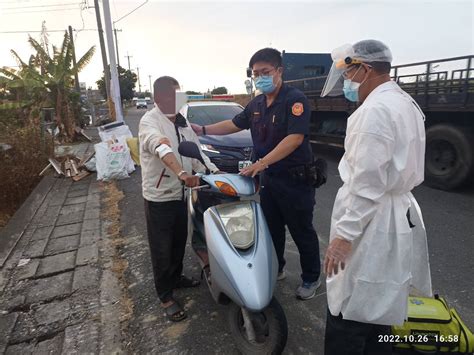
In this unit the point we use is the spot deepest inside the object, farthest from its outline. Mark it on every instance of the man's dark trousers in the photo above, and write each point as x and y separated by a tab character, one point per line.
347	337
167	226
288	202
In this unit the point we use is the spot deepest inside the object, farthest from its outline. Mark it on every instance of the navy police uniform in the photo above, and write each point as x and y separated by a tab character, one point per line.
284	199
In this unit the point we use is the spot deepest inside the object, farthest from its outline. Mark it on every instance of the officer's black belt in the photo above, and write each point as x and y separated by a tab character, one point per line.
280	173
295	172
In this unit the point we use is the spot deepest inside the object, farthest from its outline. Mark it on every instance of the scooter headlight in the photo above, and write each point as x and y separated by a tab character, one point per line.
239	224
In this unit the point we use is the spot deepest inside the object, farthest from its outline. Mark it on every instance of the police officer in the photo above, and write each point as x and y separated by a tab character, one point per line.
279	123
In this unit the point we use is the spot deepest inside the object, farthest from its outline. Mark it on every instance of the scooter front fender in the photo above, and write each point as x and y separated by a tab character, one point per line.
247	277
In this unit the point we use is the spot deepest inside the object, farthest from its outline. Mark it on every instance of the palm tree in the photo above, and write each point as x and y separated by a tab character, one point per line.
47	79
60	72
27	86
26	82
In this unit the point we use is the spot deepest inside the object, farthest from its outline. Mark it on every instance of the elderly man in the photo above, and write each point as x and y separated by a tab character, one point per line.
164	174
378	243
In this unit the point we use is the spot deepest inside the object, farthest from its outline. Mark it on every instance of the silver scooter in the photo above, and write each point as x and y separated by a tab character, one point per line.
235	250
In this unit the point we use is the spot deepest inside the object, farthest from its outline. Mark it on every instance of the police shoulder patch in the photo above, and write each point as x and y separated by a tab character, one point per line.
297	109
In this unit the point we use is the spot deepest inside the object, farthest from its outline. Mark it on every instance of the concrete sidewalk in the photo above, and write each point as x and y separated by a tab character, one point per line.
60	289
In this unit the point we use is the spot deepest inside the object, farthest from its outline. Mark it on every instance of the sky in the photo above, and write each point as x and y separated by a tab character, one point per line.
206	44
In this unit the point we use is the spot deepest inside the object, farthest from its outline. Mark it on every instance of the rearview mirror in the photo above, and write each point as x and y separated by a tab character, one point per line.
190	150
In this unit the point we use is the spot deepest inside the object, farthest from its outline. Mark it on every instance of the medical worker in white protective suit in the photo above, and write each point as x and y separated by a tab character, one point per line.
378	249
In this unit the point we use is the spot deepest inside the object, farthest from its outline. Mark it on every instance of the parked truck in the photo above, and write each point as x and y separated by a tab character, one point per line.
443	88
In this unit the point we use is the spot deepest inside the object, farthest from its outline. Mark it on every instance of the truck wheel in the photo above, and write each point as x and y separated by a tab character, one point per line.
449	157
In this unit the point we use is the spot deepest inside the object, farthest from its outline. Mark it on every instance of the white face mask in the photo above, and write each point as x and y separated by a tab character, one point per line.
351	88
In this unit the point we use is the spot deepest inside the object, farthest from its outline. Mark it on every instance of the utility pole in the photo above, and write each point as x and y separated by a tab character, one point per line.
151	89
128	58
138	75
76	75
115	86
102	50
116	45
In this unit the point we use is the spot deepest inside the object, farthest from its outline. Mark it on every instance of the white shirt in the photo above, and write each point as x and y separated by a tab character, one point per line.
160	184
383	162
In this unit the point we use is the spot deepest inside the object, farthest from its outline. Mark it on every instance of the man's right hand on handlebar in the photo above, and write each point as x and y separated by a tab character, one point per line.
189	180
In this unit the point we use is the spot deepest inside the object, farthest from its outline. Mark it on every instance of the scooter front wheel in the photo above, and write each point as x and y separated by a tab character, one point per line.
269	333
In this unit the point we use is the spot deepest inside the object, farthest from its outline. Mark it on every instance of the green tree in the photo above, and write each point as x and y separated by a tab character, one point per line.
49	81
221	90
193	93
127	80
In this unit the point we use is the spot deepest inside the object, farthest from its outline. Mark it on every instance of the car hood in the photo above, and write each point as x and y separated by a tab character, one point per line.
236	140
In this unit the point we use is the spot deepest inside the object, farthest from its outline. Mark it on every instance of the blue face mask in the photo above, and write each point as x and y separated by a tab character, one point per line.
351	90
264	83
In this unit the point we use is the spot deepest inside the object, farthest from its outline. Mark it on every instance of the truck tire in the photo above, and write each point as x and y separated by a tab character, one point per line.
449	157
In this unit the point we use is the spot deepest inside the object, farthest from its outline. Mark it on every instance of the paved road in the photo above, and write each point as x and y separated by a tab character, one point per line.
450	225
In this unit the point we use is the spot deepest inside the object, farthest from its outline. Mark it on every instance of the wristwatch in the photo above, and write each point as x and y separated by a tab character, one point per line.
203	130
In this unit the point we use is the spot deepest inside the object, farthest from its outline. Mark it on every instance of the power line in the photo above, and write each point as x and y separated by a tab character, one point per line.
135	9
24	4
83	6
24	1
32	6
13	32
52	10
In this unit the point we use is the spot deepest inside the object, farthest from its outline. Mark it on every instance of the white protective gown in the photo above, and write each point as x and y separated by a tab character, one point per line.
383	162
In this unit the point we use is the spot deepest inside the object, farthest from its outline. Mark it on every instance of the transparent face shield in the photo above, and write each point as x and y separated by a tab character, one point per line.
334	82
366	51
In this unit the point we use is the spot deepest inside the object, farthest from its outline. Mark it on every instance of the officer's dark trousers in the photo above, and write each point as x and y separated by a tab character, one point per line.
167	233
287	202
346	337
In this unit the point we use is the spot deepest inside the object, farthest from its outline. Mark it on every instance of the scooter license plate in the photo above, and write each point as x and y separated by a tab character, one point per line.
244	163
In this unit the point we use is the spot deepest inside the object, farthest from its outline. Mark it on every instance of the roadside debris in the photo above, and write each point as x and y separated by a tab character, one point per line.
91	164
5	147
80	131
23	262
70	166
111	158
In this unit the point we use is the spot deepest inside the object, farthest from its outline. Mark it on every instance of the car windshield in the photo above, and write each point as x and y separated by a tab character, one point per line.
141	102
206	115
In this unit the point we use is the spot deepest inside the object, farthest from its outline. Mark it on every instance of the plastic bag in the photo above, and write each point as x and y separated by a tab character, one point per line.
134	149
112	161
130	163
115	133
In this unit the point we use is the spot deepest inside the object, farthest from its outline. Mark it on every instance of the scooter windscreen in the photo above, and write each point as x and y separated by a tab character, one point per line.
231	184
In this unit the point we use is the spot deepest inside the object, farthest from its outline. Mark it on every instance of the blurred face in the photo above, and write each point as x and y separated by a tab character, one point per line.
165	98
